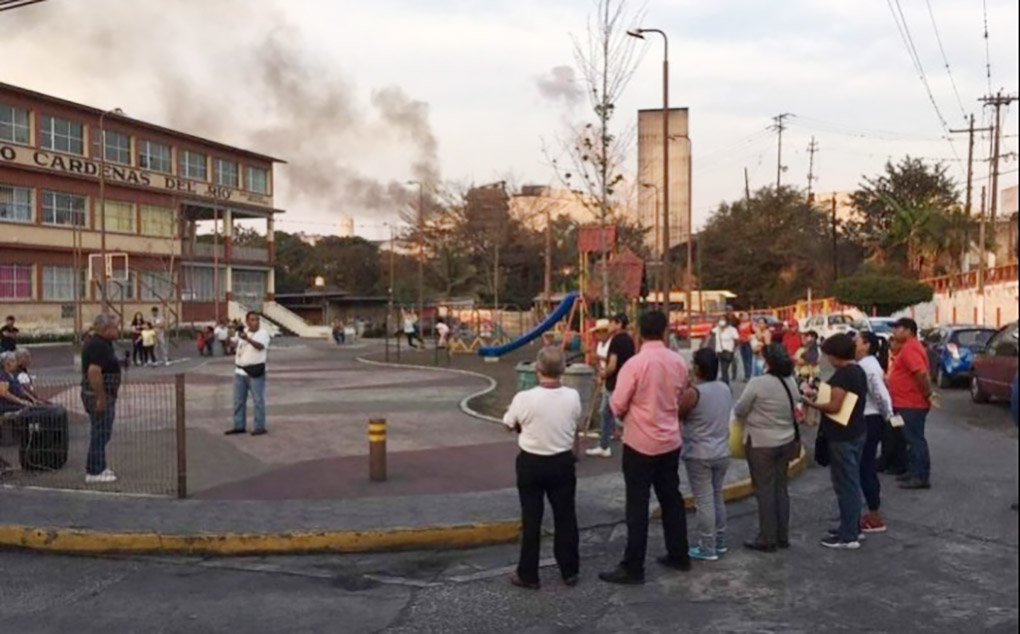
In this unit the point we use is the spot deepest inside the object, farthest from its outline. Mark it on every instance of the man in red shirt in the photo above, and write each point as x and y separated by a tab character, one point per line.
910	387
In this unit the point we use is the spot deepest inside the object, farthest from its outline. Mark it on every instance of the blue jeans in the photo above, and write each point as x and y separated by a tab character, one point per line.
870	484
101	429
917	446
608	420
746	357
845	470
243	384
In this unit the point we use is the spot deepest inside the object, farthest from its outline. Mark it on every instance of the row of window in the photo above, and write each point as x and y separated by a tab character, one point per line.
63	135
63	209
17	283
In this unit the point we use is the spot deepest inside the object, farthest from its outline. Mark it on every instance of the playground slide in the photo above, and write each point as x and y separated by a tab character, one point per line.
550	321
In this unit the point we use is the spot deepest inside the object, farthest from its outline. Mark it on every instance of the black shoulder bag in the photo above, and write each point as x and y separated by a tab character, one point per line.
794	448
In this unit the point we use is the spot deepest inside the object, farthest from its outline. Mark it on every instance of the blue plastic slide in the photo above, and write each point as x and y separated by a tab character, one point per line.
547	323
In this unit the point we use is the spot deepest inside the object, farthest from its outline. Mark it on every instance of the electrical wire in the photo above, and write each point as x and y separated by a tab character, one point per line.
988	54
945	58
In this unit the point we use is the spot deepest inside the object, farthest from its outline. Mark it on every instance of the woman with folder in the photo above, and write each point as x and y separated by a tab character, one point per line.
841	401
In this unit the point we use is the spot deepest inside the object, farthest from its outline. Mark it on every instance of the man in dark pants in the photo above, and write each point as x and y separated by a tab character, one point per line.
647	398
912	395
546	418
99	387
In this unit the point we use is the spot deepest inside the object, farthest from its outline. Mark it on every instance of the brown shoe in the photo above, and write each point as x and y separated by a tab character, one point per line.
521	583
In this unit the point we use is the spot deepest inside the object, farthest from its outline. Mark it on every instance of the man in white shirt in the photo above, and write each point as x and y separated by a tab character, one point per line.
725	337
545	418
252	349
157	321
222	336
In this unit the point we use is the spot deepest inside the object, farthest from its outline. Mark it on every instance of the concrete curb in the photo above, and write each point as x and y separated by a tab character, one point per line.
464	403
94	542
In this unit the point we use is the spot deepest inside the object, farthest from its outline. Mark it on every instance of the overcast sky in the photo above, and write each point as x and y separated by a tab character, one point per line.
840	66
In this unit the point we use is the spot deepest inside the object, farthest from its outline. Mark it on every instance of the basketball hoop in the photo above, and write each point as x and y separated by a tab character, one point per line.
115	267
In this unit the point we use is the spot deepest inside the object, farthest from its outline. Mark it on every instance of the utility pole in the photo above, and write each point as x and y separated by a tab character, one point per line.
747	188
779	126
548	259
998	101
969	204
835	255
812	148
982	236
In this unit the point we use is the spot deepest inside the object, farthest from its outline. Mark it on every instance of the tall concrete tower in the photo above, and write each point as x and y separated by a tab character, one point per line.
345	227
650	172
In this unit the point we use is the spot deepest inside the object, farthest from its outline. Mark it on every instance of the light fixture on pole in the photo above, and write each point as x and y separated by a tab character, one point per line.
102	202
666	282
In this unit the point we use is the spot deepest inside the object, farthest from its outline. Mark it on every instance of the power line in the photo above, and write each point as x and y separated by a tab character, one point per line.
988	54
938	38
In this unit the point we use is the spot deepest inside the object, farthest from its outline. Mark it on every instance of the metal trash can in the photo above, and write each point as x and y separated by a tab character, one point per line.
581	377
527	378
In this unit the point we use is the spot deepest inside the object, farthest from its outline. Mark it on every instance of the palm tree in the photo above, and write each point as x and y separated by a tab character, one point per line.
916	228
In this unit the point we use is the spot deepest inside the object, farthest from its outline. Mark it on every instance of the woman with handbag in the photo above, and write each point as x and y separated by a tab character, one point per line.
768	410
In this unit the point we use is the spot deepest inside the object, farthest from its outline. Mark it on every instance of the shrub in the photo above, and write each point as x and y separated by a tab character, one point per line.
885	293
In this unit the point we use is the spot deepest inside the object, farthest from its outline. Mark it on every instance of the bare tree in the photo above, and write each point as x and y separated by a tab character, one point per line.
592	154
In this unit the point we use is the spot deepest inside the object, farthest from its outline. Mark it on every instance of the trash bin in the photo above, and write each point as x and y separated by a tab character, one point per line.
527	378
581	377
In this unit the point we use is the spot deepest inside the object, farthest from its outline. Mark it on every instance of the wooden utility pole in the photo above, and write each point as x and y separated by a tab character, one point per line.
747	187
997	101
835	257
779	127
982	237
548	259
969	204
812	148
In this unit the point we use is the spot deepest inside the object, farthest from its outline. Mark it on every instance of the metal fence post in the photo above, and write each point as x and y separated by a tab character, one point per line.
182	438
377	449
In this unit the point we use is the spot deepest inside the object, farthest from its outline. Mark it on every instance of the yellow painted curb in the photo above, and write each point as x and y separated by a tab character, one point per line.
96	542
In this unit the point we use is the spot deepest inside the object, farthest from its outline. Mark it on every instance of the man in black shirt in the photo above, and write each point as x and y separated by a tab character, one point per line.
621	349
845	440
99	386
8	335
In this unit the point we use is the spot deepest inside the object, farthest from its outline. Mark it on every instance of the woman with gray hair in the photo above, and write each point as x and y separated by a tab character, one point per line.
545	419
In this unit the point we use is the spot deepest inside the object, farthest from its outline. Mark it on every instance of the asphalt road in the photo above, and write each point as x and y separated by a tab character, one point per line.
949	563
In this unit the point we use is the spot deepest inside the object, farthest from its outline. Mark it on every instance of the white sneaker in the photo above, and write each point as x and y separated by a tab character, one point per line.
599	452
106	477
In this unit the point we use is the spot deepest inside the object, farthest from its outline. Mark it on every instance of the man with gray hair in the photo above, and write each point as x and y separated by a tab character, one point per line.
100	383
545	419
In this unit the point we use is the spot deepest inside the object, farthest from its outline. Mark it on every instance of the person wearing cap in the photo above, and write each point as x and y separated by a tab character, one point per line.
912	397
619	350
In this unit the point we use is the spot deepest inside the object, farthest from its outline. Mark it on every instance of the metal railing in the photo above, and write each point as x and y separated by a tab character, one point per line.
249	254
52	445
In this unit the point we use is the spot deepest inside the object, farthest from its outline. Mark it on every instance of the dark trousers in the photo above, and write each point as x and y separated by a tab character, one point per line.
137	354
919	458
642	473
893	458
101	425
845	470
870	484
746	357
725	360
539	477
769	467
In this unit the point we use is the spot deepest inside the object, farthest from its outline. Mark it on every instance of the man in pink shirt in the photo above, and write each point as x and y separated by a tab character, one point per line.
646	399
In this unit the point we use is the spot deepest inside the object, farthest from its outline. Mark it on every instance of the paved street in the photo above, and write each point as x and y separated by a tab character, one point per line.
948	564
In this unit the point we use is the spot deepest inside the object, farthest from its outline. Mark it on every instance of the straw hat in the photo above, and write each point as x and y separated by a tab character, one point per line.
601	324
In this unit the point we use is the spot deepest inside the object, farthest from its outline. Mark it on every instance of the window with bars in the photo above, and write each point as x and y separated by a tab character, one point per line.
15	281
258	180
193	165
157	221
59	208
226	173
118	146
62	135
120	216
14	127
58	284
155	286
15	203
154	156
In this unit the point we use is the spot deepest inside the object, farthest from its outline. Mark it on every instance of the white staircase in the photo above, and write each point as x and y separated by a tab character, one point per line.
293	322
237	310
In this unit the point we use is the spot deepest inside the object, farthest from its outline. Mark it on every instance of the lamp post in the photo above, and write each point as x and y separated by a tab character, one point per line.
688	281
666	273
102	200
656	251
421	255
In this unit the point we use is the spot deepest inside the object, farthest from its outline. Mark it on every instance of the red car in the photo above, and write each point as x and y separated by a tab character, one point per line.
992	376
699	328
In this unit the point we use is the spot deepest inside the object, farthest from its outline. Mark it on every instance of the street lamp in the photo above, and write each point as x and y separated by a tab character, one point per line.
421	254
656	251
690	222
666	273
102	199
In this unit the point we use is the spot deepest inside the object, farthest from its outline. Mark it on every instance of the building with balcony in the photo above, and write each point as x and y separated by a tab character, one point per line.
77	181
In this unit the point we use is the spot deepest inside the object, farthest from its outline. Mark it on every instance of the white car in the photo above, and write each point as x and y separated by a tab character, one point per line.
881	326
828	325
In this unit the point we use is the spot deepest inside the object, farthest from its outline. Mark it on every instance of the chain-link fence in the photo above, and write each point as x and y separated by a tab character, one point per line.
132	443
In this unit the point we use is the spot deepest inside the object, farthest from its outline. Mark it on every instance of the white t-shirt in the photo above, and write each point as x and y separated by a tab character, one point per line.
602	352
725	338
442	329
548	418
247	354
221	333
409	325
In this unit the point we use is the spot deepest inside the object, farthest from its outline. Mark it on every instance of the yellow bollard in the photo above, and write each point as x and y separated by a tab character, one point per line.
377	450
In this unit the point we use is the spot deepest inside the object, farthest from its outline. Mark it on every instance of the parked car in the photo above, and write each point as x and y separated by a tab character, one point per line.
697	326
881	326
828	325
994	370
951	351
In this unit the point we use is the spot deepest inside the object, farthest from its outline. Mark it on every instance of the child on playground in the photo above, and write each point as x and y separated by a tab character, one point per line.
148	344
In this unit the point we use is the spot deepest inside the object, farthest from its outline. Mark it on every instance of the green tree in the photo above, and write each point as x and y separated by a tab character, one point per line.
883	294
